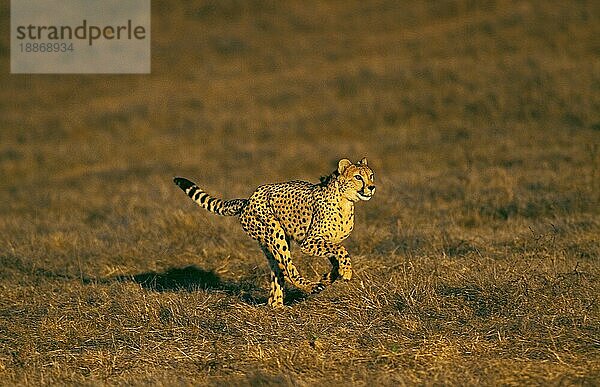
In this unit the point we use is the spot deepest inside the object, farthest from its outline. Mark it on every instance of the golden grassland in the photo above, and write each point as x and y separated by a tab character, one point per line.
476	262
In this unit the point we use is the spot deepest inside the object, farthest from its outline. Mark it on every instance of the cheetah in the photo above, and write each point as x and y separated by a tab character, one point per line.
317	217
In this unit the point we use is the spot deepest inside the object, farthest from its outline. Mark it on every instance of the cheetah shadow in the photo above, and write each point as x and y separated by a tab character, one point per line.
193	278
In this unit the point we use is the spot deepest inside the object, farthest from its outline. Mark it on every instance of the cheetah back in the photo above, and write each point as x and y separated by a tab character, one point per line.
291	203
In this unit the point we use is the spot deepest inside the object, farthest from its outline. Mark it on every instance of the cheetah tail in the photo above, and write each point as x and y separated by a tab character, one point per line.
204	200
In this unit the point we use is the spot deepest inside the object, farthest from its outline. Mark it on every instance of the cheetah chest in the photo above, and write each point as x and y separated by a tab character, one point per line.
337	221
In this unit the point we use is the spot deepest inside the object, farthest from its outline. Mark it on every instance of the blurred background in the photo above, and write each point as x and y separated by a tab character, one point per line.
481	120
263	89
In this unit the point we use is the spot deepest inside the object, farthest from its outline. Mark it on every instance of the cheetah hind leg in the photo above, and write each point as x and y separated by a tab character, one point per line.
278	247
277	280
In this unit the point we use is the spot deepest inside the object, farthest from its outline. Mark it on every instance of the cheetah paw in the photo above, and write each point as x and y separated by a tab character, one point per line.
346	274
275	304
317	287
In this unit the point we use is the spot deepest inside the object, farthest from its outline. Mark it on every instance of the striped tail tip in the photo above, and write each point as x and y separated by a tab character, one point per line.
183	183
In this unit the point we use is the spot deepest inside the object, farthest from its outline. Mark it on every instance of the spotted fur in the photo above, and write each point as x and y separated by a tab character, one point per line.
318	217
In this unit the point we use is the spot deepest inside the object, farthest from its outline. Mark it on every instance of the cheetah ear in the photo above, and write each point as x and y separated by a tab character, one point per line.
363	161
343	164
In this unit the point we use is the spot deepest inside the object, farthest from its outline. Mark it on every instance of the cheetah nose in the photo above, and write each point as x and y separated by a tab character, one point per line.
372	187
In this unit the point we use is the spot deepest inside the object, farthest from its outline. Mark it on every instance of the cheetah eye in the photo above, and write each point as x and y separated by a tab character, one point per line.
372	177
358	177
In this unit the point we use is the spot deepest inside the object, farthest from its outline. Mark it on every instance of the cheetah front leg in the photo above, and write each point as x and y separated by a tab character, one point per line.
337	254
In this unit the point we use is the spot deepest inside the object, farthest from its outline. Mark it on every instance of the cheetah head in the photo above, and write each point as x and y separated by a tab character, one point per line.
356	180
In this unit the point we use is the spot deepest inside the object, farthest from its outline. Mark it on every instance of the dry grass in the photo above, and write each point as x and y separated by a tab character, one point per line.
476	263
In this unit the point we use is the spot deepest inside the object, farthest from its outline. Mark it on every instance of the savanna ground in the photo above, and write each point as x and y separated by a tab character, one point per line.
477	261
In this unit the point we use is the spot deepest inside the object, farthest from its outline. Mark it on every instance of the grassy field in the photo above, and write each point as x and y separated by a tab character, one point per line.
476	262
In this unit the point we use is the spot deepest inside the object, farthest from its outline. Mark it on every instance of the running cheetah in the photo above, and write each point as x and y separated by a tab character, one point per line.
318	217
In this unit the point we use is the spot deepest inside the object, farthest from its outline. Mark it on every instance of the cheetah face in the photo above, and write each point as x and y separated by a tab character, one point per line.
356	180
